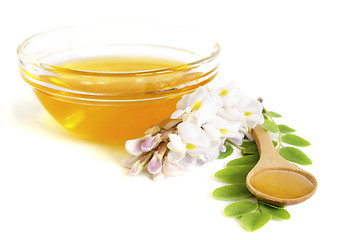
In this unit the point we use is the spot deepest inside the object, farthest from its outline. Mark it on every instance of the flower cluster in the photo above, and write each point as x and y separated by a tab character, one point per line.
202	122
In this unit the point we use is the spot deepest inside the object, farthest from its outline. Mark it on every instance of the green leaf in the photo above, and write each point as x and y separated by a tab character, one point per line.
239	208
232	192
254	220
276	213
274	114
234	174
295	140
229	150
270	125
252	149
270	205
295	155
246	160
285	129
246	144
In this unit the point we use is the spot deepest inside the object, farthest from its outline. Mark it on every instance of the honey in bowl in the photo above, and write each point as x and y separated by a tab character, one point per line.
113	122
109	83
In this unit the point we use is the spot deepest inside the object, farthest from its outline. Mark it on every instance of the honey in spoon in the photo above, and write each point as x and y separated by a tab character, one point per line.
274	179
282	184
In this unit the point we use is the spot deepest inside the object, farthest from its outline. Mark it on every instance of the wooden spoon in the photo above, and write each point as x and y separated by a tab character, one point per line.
274	179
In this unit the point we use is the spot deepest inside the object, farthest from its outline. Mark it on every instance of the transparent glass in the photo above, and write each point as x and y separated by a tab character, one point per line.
110	105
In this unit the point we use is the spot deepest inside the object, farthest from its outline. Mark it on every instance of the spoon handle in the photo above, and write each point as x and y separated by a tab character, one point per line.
264	141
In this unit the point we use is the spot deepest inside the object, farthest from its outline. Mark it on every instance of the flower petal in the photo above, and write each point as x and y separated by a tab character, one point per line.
175	157
176	144
129	162
134	146
150	143
222	148
212	131
197	97
155	164
192	134
221	123
182	103
232	114
252	110
188	159
178	114
136	168
207	109
213	145
173	169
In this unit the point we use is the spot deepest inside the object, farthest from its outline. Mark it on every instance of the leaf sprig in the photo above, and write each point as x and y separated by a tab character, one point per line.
252	212
285	136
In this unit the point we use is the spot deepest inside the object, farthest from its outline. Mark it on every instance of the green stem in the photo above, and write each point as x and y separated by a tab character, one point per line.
238	147
280	135
258	204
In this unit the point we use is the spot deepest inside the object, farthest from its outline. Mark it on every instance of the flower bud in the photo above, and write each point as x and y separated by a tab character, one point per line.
162	148
139	164
155	164
129	162
136	168
150	143
155	129
165	133
172	123
134	146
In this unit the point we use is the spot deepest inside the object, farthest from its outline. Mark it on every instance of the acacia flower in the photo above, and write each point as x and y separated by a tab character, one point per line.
196	107
191	145
144	144
201	124
156	162
140	164
240	108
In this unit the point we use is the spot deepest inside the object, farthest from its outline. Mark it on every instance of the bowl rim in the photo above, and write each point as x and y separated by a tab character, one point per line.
209	57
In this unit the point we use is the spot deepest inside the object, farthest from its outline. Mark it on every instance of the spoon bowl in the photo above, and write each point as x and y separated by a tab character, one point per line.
274	179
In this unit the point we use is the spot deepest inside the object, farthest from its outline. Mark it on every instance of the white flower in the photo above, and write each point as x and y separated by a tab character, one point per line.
203	121
228	129
252	110
229	95
177	148
191	144
197	107
238	107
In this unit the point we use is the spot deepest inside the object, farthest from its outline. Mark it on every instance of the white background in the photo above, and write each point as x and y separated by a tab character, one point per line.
302	57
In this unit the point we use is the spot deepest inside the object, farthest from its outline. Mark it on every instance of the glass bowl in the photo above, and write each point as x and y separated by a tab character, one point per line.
114	104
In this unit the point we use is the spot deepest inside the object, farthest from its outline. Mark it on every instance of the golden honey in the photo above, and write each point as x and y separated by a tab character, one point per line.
282	184
107	99
110	82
